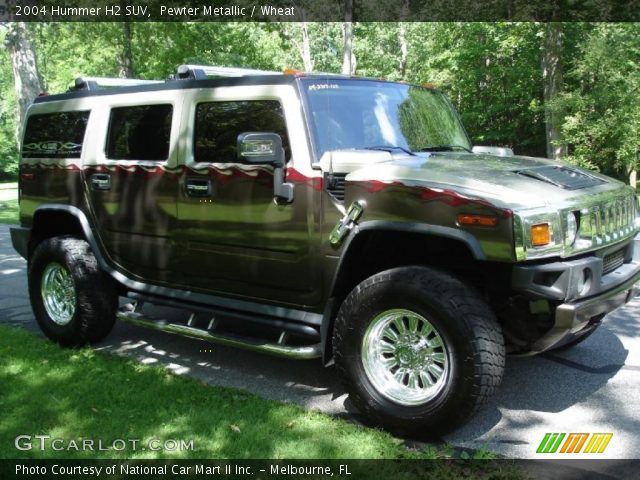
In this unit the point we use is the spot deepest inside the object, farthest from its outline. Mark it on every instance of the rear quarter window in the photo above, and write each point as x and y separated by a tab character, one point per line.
55	135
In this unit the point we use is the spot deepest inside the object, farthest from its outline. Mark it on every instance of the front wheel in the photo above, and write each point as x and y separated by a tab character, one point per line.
74	302
417	350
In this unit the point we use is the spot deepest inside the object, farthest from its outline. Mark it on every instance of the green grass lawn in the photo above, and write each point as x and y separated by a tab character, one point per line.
75	394
9	211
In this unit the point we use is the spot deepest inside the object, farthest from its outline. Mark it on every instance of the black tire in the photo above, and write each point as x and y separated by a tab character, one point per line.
93	293
473	339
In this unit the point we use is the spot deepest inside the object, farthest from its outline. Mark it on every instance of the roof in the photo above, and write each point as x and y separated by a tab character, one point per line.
186	77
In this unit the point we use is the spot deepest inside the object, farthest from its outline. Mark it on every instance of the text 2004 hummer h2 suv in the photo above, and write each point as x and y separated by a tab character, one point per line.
317	216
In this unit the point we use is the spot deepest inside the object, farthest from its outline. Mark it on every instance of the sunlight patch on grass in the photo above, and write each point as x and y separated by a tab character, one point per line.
84	394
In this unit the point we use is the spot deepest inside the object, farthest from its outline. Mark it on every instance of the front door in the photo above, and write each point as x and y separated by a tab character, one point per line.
238	239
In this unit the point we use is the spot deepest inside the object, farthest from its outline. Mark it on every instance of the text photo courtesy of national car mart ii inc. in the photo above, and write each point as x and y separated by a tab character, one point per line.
230	469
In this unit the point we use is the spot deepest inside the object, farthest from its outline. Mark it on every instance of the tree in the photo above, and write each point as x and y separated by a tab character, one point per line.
602	112
348	58
299	35
402	40
552	76
491	72
25	71
126	60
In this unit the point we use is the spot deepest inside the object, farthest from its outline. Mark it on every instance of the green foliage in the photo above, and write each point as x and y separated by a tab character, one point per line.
8	148
602	111
491	71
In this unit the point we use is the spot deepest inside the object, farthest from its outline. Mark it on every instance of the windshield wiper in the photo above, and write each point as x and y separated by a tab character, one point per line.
389	148
444	148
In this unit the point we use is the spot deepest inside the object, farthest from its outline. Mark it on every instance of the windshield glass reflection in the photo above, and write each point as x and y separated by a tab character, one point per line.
354	114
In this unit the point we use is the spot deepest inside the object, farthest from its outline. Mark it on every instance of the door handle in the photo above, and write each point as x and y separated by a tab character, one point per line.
198	188
101	181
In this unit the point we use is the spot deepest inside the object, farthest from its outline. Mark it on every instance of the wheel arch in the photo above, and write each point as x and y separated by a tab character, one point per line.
374	237
52	220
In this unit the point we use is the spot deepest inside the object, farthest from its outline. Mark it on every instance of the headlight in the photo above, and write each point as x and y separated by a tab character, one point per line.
571	230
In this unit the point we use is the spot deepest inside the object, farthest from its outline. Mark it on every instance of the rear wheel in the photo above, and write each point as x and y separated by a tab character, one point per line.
74	302
417	350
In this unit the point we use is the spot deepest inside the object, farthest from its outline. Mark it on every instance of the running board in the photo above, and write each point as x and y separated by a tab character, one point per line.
280	349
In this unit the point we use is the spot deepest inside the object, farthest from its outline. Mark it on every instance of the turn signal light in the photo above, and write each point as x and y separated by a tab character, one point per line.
477	220
540	235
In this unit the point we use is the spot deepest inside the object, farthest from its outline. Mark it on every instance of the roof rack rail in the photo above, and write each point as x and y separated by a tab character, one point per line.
96	83
201	72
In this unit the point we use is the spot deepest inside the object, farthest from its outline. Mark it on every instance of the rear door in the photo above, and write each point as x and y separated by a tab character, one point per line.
131	180
237	238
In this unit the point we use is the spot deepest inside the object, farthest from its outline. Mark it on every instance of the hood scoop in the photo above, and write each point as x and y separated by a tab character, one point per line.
561	176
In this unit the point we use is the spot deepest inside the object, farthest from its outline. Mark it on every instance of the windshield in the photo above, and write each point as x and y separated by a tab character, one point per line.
358	114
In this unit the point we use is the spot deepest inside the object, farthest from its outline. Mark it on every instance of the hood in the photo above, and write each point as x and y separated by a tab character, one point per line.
515	182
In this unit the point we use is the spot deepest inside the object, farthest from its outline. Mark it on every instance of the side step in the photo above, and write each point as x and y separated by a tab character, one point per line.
279	349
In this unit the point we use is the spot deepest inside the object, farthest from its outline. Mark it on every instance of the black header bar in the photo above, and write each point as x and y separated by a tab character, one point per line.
319	10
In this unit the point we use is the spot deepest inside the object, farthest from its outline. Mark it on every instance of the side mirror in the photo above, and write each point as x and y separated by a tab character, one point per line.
266	148
258	147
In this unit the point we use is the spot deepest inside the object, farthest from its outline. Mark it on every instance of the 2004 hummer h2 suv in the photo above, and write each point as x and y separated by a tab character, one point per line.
317	216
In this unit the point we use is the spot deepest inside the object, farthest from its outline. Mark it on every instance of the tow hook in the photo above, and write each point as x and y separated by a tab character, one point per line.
346	223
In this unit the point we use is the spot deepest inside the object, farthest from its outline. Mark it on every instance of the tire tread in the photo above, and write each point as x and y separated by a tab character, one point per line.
485	336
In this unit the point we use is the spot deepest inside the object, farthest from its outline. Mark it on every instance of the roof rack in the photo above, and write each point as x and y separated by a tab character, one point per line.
184	72
96	83
201	72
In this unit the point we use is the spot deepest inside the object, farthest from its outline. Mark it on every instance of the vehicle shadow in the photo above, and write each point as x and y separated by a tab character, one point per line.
550	384
304	382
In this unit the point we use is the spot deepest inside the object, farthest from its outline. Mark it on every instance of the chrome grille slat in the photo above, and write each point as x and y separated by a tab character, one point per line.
606	223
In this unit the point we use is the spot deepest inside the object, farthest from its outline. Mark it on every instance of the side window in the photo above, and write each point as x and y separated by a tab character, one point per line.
218	125
139	133
55	135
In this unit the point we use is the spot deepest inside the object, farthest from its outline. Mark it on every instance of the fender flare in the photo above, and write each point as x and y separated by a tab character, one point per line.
332	307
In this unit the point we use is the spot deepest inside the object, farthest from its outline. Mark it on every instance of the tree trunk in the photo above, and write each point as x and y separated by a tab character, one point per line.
126	63
402	39
348	58
25	71
305	48
552	76
633	178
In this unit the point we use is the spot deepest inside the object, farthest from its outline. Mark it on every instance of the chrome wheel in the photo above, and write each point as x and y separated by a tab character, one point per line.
404	357
58	293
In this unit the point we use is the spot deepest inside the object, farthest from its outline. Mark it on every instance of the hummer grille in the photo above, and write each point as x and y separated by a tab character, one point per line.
607	222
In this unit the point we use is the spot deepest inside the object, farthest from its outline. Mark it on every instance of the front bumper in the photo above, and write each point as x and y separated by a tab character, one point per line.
579	310
573	319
